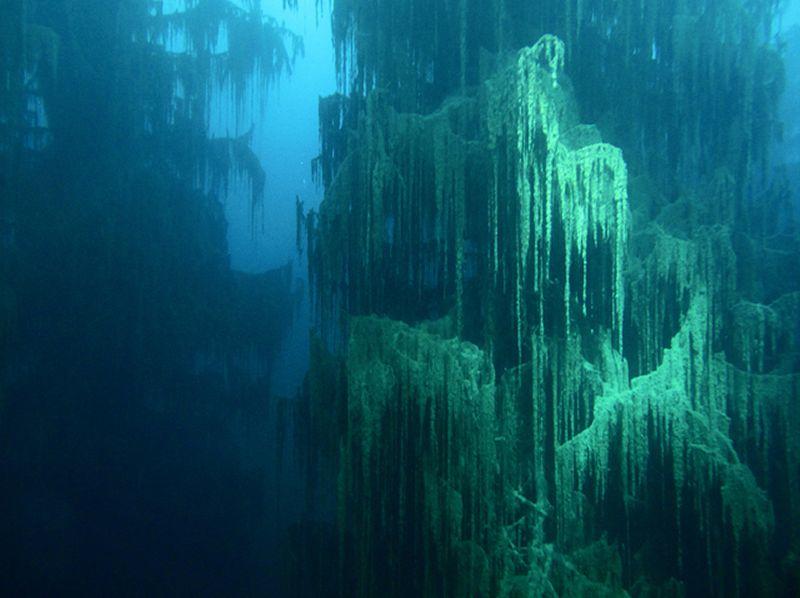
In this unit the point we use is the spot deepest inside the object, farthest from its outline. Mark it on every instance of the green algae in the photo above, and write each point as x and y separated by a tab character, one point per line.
643	344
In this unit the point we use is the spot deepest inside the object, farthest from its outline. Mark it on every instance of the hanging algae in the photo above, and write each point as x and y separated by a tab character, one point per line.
398	214
688	420
394	217
701	81
109	211
207	52
662	279
765	337
233	47
403	207
645	412
574	191
417	458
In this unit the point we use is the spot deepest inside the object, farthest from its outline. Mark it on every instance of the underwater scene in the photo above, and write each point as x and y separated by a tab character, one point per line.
354	298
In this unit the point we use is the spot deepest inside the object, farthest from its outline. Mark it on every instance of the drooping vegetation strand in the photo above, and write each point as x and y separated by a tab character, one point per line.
622	279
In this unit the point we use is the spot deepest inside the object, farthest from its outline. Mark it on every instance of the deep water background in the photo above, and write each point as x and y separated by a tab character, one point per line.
137	473
145	429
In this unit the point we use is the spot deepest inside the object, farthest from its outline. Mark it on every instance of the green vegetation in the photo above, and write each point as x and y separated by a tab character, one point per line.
589	381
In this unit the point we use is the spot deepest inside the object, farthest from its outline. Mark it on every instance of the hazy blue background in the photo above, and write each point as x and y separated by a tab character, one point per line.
286	140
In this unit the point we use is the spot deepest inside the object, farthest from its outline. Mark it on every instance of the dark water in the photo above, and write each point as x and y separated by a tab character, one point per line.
399	298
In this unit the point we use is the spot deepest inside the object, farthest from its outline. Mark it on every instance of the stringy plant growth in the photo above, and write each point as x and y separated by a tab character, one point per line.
145	157
234	156
398	216
570	196
672	421
645	411
711	59
538	416
765	336
230	45
394	219
764	419
763	385
417	459
662	280
549	231
373	50
112	243
202	56
333	125
180	66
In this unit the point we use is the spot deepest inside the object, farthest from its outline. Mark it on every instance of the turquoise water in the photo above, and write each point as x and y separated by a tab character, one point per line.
399	298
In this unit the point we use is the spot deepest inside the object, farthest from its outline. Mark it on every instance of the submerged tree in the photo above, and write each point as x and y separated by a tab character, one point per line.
594	386
130	350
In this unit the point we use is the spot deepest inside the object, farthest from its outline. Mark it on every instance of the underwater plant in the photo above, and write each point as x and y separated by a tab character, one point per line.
568	361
